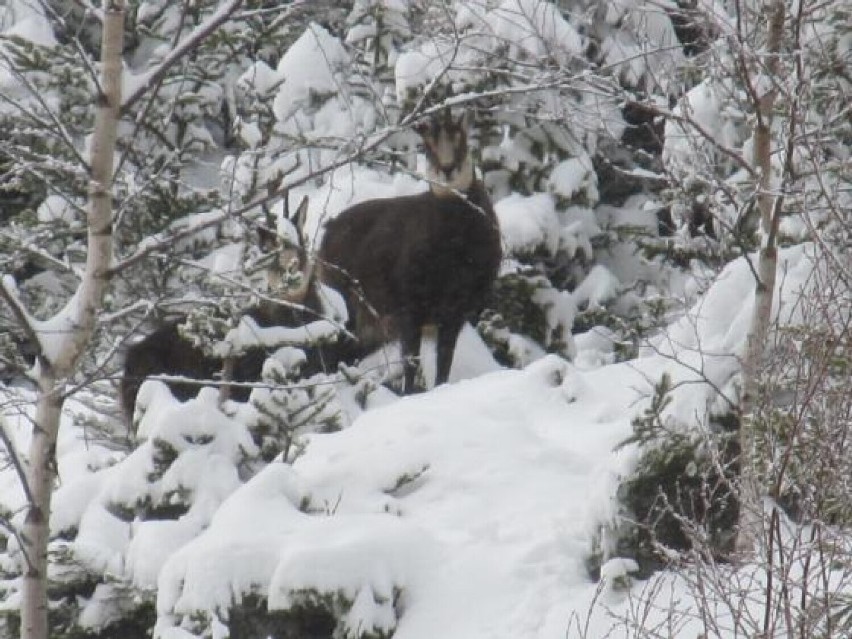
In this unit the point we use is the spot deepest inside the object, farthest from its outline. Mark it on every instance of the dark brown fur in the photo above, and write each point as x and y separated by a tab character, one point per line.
165	352
408	262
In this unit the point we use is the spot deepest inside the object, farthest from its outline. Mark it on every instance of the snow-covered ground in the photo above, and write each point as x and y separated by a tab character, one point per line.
464	512
470	500
468	511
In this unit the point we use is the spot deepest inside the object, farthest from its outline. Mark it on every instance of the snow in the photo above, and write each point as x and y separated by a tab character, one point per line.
26	20
378	516
464	512
708	340
249	133
703	105
595	348
571	175
248	334
599	286
415	69
528	223
259	78
532	28
536	28
302	76
642	44
53	333
467	511
55	208
346	187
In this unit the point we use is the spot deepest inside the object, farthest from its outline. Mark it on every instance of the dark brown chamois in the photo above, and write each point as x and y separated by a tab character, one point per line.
407	263
166	352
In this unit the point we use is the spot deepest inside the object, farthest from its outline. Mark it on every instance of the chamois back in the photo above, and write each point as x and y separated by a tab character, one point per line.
166	352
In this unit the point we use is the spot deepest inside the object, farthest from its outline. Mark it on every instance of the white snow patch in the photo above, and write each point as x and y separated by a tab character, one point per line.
312	65
528	223
531	28
56	209
571	176
375	514
703	104
26	20
598	287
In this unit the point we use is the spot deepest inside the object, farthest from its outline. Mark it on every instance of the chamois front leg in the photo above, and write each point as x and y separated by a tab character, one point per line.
409	342
448	334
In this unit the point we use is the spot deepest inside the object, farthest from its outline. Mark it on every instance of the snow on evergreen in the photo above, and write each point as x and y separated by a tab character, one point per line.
299	75
475	509
467	511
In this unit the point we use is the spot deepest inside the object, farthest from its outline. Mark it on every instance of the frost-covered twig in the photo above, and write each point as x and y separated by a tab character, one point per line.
185	46
52	125
686	120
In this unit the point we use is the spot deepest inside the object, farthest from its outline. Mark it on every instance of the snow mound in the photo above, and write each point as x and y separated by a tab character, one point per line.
302	77
531	28
528	222
470	492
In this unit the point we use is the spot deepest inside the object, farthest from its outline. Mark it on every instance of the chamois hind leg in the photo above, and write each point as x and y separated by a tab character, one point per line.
448	334
409	342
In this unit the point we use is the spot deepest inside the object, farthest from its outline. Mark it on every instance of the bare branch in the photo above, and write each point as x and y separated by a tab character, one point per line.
15	459
20	313
704	133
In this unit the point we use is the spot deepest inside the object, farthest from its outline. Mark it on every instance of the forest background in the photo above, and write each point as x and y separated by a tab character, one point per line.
641	156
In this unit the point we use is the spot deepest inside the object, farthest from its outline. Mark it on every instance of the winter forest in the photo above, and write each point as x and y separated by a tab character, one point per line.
647	427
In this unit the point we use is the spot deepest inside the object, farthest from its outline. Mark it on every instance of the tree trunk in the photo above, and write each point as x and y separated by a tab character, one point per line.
35	533
227	376
59	359
751	506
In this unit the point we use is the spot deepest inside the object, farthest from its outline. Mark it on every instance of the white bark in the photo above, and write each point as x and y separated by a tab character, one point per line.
58	362
751	507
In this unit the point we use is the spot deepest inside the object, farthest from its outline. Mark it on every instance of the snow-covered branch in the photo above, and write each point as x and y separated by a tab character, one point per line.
186	46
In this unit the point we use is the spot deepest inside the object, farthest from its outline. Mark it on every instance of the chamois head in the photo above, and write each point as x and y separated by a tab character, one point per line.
289	271
445	143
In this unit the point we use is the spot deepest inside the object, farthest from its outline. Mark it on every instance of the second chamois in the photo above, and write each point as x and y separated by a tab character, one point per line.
166	352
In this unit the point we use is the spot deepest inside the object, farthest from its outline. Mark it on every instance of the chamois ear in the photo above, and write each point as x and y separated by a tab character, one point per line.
301	216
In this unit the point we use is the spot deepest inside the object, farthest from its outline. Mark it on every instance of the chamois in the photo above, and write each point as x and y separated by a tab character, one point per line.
166	352
403	264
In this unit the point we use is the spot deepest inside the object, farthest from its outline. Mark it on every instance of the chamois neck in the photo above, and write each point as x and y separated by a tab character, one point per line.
461	180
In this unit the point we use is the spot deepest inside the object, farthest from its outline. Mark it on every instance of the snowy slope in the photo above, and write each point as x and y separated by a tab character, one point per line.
476	501
464	512
473	500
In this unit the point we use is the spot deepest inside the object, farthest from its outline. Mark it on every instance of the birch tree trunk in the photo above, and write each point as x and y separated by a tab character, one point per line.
751	508
59	357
